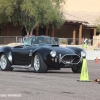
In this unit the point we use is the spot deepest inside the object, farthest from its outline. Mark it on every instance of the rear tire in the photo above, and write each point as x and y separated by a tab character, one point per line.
77	69
5	64
38	64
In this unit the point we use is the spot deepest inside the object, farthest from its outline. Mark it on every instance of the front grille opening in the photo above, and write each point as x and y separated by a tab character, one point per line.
68	59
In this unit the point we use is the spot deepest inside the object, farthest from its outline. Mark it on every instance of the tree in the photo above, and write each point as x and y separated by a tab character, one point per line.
97	24
31	13
58	2
98	28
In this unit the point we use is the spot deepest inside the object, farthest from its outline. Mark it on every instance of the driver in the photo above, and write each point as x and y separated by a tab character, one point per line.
40	41
25	41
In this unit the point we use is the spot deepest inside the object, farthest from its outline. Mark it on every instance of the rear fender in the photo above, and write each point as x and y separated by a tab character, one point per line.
7	52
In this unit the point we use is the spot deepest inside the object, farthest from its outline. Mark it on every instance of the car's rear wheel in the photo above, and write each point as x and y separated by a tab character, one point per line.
39	64
5	64
77	69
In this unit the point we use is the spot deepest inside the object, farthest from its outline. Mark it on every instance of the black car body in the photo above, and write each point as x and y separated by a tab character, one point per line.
42	53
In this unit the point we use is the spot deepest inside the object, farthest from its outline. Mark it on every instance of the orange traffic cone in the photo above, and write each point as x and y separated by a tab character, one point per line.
96	60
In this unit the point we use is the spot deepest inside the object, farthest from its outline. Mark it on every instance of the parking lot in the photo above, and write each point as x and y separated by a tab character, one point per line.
24	84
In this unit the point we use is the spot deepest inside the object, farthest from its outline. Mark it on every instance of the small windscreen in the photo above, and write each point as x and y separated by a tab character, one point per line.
39	40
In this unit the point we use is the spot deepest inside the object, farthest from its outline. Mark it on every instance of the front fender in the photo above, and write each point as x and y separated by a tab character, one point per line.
76	49
43	51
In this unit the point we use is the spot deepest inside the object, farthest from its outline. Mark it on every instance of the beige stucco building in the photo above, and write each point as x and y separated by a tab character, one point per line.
80	15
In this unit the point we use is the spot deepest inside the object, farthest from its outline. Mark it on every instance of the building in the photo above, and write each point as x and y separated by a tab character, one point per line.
80	21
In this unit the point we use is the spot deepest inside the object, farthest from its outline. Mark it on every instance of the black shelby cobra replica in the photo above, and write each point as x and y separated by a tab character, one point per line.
42	53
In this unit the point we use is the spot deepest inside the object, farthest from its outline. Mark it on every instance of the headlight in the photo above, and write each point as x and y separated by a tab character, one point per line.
83	53
53	53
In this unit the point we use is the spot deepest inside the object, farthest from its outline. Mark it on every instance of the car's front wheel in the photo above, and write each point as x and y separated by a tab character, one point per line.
5	64
77	69
39	64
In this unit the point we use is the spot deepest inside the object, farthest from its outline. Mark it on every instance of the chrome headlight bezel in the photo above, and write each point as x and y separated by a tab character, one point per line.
83	53
53	53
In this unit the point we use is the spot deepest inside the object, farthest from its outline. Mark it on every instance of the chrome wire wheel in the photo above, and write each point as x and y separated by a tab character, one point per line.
36	62
3	62
39	64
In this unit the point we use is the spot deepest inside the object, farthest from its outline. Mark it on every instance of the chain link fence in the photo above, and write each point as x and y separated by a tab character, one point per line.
61	41
10	39
67	41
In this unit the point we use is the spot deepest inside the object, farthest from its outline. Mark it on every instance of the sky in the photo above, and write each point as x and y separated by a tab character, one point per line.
82	5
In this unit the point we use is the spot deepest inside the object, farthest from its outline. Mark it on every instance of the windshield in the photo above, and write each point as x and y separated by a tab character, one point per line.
39	40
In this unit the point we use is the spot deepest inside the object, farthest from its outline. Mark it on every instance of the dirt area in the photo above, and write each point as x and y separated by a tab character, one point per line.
14	44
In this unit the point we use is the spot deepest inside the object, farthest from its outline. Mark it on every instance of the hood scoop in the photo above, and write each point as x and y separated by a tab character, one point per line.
55	45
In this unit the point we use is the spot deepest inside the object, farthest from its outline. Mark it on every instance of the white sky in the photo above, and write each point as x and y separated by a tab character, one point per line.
82	5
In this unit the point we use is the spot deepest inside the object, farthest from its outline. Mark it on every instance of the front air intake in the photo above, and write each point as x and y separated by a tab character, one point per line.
70	59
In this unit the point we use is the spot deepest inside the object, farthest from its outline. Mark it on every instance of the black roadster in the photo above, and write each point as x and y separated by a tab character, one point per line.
43	54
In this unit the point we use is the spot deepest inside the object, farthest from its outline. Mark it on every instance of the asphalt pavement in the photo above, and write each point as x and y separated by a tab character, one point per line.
24	84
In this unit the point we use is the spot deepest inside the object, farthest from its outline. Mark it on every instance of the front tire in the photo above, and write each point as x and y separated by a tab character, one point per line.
77	69
39	64
5	64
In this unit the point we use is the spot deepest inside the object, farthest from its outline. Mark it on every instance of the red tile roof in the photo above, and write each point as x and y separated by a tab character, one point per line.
82	16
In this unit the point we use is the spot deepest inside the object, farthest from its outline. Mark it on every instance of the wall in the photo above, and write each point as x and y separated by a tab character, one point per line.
86	33
96	40
66	31
11	31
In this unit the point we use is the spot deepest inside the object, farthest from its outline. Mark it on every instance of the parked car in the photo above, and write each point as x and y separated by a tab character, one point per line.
43	54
